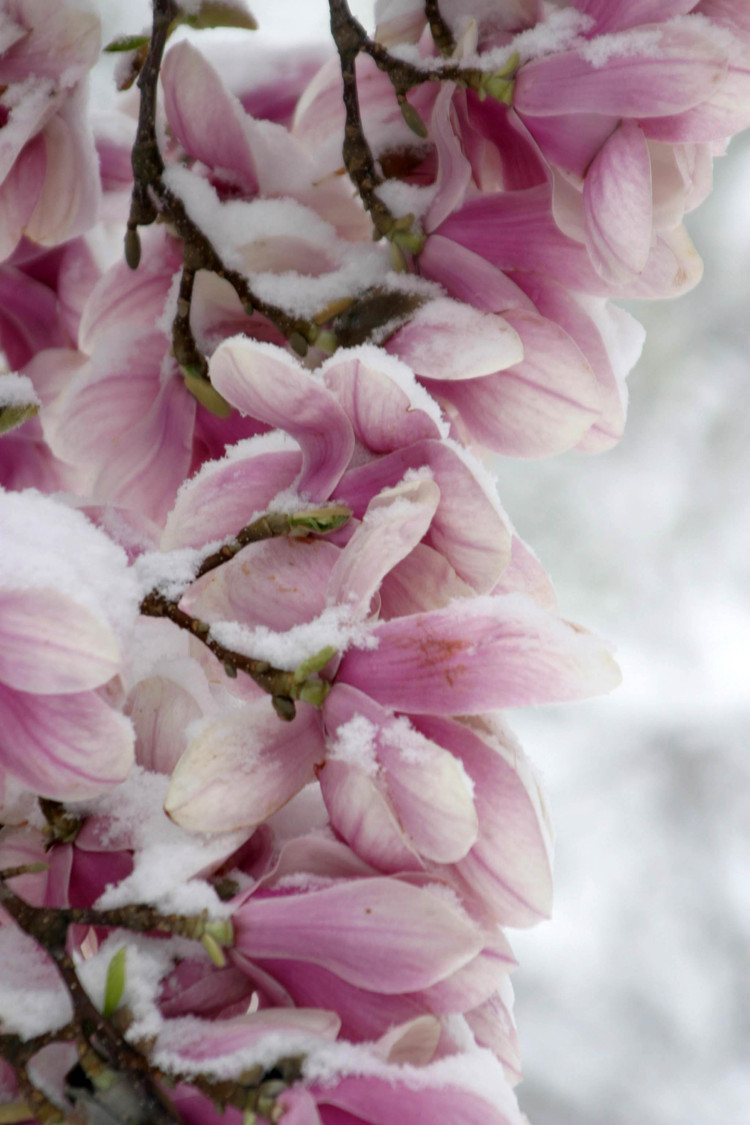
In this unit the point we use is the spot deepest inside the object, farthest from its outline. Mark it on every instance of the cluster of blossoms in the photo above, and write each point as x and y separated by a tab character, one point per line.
264	825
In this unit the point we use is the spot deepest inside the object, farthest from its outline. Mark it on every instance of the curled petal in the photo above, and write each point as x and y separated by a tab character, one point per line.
394	523
386	406
468	528
266	383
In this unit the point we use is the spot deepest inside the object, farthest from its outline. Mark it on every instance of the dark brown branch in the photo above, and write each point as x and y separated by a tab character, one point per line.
283	686
151	198
49	928
441	33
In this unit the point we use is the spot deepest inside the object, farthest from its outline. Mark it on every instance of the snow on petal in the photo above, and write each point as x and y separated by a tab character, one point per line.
225	495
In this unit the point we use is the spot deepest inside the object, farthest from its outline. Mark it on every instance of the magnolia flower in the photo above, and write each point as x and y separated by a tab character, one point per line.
66	603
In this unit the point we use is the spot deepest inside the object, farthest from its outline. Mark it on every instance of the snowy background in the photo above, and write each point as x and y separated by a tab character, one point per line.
633	1003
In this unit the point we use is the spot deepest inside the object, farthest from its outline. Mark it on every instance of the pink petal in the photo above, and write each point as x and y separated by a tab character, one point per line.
383	1101
68	203
361	814
279	583
571	142
423	580
541	406
394	523
374	933
478	556
493	1027
28	317
68	747
266	383
509	867
225	495
611	16
63	43
675	69
20	188
384	403
468	277
617	205
454	170
50	645
425	785
477	656
452	341
206	119
243	766
160	710
125	298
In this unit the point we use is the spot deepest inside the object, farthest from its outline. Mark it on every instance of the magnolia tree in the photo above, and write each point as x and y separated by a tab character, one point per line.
265	825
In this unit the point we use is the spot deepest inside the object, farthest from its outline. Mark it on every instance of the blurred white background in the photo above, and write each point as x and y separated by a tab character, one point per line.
633	1003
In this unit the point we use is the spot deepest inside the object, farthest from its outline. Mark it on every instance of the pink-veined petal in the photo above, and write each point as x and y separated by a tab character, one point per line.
672	69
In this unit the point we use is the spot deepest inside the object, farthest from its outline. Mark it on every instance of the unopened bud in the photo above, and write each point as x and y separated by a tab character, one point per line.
15	414
298	343
412	119
207	395
284	707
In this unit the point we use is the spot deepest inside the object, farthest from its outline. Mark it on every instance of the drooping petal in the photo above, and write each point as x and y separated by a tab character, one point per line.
454	170
376	933
479	655
266	383
49	645
160	710
617	208
68	747
243	766
423	580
